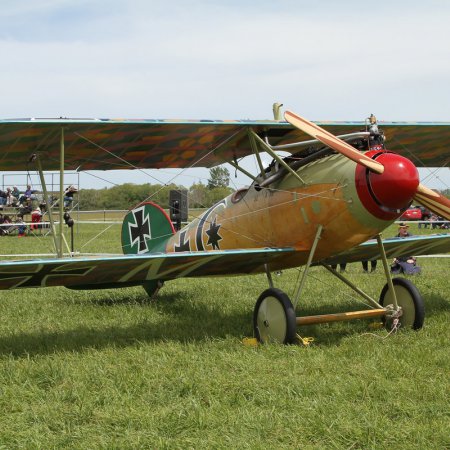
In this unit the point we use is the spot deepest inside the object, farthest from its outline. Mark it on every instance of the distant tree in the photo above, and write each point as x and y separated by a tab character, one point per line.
128	195
125	196
218	177
218	194
198	195
201	196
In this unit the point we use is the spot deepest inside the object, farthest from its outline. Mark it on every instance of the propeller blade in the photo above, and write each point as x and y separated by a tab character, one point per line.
435	202
332	141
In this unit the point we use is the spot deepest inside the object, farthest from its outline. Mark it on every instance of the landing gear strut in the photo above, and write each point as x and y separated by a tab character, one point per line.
400	305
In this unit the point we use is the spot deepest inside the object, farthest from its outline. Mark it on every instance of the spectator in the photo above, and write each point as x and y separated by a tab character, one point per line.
68	196
2	230
28	195
36	216
342	267
404	264
21	226
403	230
7	224
2	197
15	192
26	208
11	200
434	219
365	265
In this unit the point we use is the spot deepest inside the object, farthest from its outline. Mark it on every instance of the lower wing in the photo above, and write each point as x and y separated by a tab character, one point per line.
395	247
132	270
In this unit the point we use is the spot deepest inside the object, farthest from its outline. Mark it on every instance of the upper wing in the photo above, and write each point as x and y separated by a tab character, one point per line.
131	270
395	247
105	144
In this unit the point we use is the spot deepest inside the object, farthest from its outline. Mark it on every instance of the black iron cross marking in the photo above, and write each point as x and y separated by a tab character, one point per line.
140	230
39	278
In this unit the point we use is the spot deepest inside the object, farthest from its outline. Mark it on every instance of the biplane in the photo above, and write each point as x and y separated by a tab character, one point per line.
338	187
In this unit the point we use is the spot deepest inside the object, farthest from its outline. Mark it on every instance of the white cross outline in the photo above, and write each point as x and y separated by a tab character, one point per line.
145	218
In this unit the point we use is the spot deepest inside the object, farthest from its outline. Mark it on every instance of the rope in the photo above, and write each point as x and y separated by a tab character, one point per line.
96	236
395	327
117	156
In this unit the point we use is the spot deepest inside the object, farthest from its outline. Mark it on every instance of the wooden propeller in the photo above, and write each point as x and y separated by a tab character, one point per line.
434	201
333	142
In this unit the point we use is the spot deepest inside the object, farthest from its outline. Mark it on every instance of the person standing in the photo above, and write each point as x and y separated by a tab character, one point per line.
68	196
365	265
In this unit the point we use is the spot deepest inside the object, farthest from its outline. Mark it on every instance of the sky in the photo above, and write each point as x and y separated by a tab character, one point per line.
199	59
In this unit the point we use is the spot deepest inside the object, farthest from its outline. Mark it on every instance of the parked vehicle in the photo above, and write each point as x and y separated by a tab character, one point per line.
412	213
426	213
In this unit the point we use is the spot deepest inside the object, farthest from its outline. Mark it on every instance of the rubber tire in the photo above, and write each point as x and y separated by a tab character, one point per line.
409	298
274	302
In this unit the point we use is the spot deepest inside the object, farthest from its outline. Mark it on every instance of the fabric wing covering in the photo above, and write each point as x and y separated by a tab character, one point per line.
106	144
395	247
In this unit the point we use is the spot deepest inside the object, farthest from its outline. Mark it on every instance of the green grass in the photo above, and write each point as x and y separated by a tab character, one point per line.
109	369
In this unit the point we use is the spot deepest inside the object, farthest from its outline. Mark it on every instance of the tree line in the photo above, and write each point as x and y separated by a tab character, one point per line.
127	195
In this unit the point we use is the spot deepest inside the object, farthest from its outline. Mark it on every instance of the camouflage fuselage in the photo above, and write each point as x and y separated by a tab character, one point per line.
287	214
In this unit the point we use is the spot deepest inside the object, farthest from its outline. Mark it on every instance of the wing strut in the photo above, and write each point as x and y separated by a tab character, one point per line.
61	194
58	237
280	160
48	202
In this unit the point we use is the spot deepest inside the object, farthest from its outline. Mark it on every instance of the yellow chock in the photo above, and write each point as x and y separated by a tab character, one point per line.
250	342
376	325
306	341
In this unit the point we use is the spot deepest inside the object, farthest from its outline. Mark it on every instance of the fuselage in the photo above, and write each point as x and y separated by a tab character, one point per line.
288	214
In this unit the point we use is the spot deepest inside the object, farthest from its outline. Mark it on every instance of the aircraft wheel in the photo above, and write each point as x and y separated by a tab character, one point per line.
410	300
274	318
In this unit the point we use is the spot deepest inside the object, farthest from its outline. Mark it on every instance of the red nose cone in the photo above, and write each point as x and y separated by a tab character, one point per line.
388	194
397	185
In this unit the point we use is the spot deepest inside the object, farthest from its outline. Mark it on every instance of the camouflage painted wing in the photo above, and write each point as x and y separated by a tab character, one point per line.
131	270
106	144
395	247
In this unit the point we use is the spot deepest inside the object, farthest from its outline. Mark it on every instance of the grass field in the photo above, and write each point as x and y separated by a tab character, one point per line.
110	369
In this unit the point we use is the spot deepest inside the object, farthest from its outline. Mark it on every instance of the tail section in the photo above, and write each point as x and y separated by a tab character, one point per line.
146	228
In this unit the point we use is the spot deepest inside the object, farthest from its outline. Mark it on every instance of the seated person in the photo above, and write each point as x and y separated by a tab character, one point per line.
27	195
10	199
26	208
404	264
15	192
7	224
21	226
2	197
